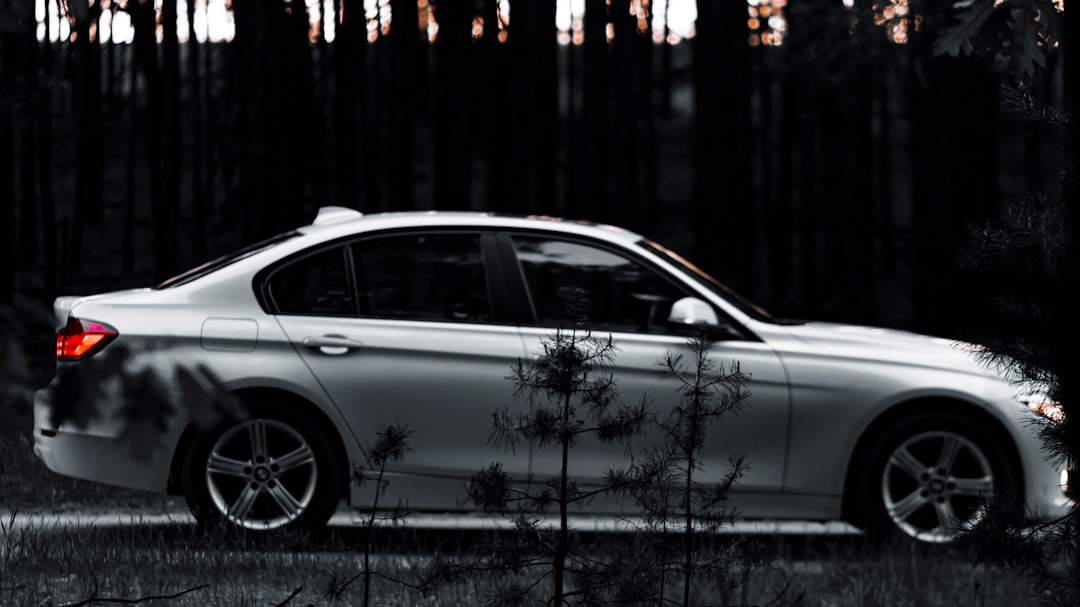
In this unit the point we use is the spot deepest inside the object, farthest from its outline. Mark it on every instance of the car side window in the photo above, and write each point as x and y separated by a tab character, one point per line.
422	277
313	284
623	294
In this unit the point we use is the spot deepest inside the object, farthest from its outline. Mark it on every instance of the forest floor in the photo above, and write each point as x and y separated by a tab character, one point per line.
64	563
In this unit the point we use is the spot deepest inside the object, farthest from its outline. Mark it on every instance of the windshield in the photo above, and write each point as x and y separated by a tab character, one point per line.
216	264
714	285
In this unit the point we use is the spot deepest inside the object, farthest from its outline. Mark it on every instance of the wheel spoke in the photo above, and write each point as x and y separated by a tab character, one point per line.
907	506
904	460
301	456
947	520
950	448
285	500
257	436
242	506
973	486
219	464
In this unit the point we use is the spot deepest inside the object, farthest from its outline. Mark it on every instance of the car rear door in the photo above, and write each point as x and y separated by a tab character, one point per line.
409	328
629	299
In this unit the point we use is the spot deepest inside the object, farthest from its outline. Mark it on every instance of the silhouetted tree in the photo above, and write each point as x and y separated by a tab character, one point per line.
201	197
1062	306
16	94
533	100
452	100
631	100
24	114
495	114
246	144
349	54
167	207
953	102
288	81
403	81
88	189
46	201
1018	261
593	129
721	197
132	165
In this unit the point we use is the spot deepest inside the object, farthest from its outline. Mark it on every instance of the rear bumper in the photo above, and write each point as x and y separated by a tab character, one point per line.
102	451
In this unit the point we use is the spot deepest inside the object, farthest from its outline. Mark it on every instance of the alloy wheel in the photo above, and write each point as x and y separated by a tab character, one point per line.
261	474
935	484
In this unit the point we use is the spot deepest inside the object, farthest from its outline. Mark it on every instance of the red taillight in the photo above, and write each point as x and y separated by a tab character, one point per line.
82	338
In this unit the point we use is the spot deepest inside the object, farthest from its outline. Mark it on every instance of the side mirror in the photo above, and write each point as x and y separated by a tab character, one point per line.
692	311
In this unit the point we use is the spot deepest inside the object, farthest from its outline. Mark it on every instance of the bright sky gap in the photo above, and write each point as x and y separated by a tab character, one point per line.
671	20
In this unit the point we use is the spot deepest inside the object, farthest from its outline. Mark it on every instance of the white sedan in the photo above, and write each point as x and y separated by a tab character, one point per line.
334	330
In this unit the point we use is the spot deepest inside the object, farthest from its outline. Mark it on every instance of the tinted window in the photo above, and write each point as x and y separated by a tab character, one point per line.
422	277
623	294
313	284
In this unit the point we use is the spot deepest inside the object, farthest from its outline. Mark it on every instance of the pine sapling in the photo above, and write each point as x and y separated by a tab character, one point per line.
572	392
391	446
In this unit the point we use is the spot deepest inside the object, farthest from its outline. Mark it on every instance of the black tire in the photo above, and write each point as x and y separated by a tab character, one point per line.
930	475
290	483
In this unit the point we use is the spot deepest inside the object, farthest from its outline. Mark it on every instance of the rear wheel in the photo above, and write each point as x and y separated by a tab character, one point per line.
271	471
930	476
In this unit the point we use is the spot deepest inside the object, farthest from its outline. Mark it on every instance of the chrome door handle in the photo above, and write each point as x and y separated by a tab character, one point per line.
335	345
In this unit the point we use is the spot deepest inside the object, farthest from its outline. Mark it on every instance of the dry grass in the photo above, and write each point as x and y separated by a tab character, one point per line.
65	565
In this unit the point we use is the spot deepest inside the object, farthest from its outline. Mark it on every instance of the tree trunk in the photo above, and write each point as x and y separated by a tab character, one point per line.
167	207
145	48
8	233
88	201
138	122
954	179
248	140
348	52
493	100
594	131
288	82
200	192
404	81
722	197
646	114
666	69
628	92
534	97
26	60
44	176
453	83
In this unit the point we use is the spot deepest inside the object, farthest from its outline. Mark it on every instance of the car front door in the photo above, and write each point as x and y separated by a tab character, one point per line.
629	299
405	329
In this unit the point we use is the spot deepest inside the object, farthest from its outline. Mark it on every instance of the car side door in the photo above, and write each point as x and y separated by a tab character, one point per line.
630	300
408	328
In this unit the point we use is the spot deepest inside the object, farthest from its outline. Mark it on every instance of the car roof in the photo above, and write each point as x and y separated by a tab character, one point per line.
336	222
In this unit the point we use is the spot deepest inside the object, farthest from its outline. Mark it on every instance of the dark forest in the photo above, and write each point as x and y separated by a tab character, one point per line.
825	169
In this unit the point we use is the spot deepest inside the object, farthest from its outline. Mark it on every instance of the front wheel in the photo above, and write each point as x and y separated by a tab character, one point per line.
930	477
269	472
